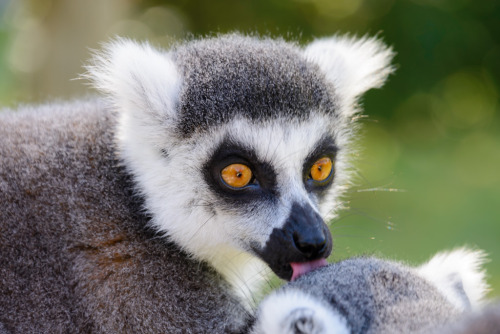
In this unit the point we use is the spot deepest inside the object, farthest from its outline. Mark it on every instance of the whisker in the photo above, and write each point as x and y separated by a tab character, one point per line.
338	227
202	226
353	236
362	176
278	145
381	189
366	215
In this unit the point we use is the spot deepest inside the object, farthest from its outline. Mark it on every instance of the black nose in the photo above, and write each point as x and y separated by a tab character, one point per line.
310	245
310	235
304	237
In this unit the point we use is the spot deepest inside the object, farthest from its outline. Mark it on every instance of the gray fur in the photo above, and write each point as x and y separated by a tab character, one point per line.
84	262
222	80
378	296
100	229
371	296
485	321
3	330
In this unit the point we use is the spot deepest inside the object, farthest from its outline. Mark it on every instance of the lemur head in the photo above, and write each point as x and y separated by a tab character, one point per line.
240	144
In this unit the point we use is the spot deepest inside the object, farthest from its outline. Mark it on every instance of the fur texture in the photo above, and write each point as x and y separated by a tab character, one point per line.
114	216
369	295
76	255
458	271
271	97
485	320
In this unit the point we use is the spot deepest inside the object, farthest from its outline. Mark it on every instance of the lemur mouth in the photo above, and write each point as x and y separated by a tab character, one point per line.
302	244
301	268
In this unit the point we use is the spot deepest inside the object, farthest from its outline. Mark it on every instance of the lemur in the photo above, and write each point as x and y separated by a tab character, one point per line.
156	208
367	295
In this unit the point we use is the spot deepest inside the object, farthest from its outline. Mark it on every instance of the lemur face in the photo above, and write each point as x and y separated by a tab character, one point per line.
238	143
264	185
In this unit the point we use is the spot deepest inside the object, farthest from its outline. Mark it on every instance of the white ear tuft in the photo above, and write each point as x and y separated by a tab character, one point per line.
459	276
353	65
137	78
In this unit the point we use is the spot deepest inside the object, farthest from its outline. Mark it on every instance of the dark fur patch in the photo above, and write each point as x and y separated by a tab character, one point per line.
264	187
255	78
303	223
324	148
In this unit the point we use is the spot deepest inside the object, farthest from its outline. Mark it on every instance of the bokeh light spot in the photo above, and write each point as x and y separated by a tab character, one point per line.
338	8
468	98
477	160
30	47
381	152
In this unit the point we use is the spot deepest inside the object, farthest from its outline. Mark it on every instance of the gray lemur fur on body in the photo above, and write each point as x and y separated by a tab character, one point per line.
367	295
155	209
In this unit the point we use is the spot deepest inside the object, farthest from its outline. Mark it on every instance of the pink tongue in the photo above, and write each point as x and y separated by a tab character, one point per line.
300	269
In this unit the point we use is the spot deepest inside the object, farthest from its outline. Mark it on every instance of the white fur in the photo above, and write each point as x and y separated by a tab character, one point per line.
461	266
138	78
278	312
353	65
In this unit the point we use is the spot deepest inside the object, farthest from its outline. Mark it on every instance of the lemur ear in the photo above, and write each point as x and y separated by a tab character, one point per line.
353	65
459	276
139	79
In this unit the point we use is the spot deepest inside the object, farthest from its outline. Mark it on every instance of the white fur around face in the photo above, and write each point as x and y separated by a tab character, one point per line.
279	313
353	65
456	273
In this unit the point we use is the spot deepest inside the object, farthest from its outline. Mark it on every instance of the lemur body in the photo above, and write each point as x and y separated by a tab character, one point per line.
370	296
152	210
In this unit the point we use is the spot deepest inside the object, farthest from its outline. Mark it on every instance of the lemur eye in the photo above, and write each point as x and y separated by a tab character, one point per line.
236	175
321	169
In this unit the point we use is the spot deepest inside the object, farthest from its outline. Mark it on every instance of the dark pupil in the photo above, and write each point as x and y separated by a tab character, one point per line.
238	174
319	168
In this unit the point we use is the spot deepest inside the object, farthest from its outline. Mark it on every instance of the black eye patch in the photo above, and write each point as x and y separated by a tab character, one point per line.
324	148
263	185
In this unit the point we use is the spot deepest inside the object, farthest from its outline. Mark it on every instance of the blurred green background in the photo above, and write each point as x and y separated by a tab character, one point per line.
429	167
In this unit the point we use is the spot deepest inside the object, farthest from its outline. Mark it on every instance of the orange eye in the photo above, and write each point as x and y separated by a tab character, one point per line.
236	175
321	169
